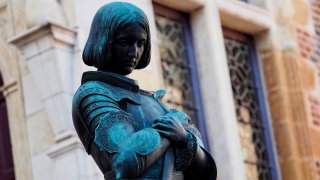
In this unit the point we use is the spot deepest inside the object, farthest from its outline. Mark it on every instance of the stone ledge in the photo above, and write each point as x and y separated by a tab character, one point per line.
64	146
244	17
59	33
8	88
65	136
186	6
3	5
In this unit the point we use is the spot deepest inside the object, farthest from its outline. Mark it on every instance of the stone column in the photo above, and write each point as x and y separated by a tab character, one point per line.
216	91
48	88
48	51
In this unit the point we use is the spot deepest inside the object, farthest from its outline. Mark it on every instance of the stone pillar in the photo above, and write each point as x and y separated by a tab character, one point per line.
48	51
48	88
216	91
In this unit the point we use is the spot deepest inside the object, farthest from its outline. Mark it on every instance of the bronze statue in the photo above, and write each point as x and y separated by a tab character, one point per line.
128	131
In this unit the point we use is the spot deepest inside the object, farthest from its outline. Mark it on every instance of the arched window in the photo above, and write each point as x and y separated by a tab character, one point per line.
6	161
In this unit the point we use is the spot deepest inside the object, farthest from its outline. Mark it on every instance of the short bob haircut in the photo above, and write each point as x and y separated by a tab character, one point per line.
105	24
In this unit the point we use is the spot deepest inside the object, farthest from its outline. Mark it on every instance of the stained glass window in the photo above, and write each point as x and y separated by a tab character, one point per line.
250	124
175	65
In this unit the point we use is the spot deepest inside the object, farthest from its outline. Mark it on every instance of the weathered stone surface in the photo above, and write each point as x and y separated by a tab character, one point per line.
40	133
187	5
19	135
290	169
286	143
302	12
39	12
243	17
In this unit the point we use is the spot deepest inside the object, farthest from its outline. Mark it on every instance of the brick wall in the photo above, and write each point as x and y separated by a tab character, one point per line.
315	6
309	48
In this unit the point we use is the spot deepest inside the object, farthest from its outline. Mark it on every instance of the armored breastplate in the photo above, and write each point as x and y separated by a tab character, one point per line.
150	108
143	106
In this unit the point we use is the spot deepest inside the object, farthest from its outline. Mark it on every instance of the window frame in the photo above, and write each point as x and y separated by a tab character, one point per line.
261	99
184	18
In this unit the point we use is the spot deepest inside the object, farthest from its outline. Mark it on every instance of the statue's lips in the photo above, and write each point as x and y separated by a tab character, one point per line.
129	63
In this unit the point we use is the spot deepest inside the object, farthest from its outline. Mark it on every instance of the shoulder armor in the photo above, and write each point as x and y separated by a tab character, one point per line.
93	88
99	88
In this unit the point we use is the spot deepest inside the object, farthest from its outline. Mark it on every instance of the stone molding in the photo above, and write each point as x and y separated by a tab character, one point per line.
69	156
3	4
65	146
9	88
186	6
244	17
59	33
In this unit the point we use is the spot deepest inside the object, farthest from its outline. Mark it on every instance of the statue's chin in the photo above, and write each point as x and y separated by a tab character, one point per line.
125	71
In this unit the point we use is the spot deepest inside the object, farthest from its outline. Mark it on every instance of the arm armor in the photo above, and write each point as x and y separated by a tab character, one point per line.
113	130
185	156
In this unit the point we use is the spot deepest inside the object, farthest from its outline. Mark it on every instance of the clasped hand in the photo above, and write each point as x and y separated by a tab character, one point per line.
171	126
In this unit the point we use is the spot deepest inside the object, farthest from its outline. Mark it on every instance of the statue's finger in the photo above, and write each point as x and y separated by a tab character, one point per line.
161	126
164	133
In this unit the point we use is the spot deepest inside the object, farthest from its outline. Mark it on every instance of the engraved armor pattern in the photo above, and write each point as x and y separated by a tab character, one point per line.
114	129
116	133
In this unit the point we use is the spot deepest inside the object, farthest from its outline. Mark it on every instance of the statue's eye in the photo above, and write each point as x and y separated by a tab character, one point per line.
141	43
123	42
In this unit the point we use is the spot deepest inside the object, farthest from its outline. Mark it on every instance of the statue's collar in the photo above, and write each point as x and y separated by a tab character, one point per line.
112	79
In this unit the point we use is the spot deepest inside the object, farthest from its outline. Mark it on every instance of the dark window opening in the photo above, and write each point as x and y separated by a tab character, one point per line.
6	160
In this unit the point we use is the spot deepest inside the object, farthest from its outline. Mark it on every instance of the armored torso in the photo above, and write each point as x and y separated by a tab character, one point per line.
114	118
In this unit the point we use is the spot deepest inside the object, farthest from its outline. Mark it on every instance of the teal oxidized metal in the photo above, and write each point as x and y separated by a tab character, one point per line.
128	131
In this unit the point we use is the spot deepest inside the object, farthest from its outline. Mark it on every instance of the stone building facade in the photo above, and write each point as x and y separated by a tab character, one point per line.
247	71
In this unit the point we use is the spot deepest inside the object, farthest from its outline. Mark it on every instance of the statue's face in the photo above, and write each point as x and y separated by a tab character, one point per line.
127	49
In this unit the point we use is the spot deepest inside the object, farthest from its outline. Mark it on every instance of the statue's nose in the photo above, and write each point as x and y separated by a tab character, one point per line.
133	51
